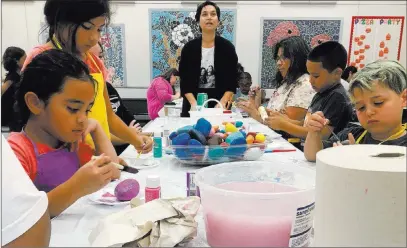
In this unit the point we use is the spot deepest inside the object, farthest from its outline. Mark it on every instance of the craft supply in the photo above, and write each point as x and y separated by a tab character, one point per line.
127	189
192	189
121	167
158	145
153	188
279	150
263	113
201	98
361	196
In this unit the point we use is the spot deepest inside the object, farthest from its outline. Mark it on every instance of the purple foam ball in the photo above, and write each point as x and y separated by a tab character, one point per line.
127	190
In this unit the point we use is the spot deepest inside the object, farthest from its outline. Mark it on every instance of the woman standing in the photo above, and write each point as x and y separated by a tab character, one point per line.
161	91
211	54
13	60
75	27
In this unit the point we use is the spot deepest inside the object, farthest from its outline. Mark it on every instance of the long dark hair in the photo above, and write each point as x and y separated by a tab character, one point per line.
71	14
45	75
171	72
295	49
347	71
11	57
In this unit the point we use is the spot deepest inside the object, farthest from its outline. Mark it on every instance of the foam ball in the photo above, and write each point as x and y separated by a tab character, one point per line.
212	132
237	148
185	129
215	153
243	132
260	137
203	126
229	127
182	153
216	128
215	140
222	131
173	135
252	134
224	144
195	134
199	150
234	136
253	153
181	140
239	123
127	190
249	139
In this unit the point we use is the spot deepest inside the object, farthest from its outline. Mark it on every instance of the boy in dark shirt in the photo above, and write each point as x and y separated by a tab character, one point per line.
325	65
379	92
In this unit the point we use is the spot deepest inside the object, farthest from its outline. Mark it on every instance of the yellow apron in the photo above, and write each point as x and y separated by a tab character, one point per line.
365	132
98	110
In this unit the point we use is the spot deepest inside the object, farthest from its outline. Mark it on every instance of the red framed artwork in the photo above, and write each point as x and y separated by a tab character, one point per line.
373	38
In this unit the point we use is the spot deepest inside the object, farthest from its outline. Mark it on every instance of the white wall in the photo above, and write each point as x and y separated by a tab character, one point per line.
21	24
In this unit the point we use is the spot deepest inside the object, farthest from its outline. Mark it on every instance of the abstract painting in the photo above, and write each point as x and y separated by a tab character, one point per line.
112	39
375	37
313	31
171	29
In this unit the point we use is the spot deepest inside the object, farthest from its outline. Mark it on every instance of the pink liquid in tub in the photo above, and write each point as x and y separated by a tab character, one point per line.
239	230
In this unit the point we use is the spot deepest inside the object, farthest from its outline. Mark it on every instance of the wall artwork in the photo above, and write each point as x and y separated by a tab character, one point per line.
112	40
373	38
171	29
313	31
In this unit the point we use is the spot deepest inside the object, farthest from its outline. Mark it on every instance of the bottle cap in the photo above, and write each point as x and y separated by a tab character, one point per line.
153	181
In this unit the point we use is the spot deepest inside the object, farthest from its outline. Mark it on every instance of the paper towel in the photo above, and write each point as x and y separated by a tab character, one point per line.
360	198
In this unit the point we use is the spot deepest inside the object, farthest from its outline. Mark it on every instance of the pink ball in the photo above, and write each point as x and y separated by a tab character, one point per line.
212	132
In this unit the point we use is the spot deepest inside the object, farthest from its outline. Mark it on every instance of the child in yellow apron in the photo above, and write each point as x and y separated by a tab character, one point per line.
98	110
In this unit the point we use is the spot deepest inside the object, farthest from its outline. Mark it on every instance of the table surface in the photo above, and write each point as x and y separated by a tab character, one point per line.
73	226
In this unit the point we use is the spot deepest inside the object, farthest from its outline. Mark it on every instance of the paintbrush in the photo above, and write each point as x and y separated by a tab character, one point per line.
125	168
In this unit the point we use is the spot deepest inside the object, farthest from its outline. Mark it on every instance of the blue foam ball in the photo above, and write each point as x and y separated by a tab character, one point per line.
195	134
239	124
233	136
184	129
181	139
203	126
216	153
243	132
233	151
173	135
199	150
182	153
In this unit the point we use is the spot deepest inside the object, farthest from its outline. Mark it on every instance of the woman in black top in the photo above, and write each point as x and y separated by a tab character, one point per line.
13	60
208	63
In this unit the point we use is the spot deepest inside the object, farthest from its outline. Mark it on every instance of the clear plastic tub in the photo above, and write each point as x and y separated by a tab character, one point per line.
257	204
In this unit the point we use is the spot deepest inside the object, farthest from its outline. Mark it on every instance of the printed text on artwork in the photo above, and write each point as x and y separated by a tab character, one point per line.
381	21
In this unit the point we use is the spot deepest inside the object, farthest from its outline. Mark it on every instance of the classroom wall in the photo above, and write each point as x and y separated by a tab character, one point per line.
21	25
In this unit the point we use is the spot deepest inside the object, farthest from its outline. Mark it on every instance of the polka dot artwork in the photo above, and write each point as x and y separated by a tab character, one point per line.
314	33
373	38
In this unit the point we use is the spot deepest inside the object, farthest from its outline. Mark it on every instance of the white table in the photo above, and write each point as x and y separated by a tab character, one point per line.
74	225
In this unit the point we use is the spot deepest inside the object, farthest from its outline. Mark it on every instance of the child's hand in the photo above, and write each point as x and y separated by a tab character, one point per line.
349	141
135	125
144	144
94	175
316	122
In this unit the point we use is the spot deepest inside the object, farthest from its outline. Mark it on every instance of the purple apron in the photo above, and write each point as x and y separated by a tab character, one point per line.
54	168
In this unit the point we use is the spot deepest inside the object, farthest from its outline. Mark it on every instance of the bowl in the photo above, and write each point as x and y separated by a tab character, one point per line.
257	204
208	155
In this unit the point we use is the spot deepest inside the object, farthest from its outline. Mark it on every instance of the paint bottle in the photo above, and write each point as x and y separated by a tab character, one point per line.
153	188
158	145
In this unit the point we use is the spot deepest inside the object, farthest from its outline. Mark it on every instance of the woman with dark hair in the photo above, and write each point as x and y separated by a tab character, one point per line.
214	54
293	93
75	27
161	91
13	60
348	73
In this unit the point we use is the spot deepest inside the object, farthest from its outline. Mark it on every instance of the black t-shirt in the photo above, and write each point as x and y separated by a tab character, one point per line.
118	106
334	102
367	139
8	100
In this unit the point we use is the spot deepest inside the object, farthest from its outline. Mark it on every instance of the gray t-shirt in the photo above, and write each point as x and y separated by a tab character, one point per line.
207	77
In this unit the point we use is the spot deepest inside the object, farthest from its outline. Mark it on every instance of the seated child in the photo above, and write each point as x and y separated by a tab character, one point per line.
244	82
54	98
325	65
379	93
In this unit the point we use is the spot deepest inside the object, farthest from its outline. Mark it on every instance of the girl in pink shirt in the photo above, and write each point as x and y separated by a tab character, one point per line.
161	91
